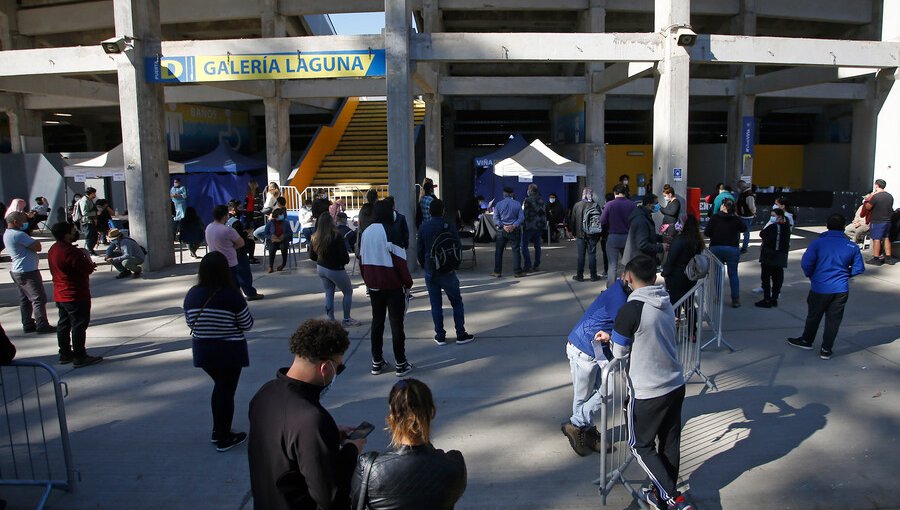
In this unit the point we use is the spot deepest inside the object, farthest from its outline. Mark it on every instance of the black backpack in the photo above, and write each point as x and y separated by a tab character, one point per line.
446	251
590	223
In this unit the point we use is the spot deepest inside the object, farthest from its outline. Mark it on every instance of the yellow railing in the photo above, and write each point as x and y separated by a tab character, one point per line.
324	143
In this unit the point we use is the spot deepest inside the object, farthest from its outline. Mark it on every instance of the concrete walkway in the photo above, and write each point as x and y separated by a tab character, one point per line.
784	430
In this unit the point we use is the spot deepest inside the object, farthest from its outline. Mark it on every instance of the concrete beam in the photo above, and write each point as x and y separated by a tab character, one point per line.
729	49
800	77
273	45
297	89
834	91
829	11
512	85
619	74
205	94
57	85
305	7
33	102
713	7
514	5
535	47
426	77
70	60
259	88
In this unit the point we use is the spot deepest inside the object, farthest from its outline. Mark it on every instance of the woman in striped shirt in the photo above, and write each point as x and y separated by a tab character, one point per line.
218	315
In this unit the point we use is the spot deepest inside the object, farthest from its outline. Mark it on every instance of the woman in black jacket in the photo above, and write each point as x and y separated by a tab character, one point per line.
687	243
670	211
415	474
724	231
328	249
776	241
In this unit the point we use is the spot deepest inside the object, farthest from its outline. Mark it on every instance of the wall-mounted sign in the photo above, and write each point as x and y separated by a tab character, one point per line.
526	178
119	176
747	132
570	178
678	174
270	66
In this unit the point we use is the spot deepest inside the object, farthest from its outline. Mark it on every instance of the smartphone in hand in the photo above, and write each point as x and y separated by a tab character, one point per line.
363	430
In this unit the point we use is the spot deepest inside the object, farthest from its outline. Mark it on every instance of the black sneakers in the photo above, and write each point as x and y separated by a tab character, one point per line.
800	342
577	438
875	261
65	359
223	445
403	369
124	274
825	354
378	367
86	360
440	340
578	278
763	303
46	329
465	338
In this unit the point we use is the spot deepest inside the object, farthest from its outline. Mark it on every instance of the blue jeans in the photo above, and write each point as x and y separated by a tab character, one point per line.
586	384
747	223
243	276
514	239
586	245
730	255
527	237
336	278
448	282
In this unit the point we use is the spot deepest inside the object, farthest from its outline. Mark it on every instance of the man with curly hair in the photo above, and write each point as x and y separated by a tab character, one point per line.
299	457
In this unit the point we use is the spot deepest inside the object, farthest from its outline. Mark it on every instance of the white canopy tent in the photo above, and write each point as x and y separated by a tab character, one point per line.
108	165
538	160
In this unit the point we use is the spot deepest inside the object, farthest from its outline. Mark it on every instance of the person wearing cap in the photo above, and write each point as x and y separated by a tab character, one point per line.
125	254
508	216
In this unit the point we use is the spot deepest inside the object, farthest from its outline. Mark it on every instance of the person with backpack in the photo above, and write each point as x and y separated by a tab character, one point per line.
776	241
535	224
125	254
642	236
439	254
85	214
584	223
615	220
746	210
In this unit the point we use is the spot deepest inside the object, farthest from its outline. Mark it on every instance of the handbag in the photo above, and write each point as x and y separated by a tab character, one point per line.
364	488
697	268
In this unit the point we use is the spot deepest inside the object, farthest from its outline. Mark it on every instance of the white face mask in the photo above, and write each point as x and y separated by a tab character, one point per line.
552	200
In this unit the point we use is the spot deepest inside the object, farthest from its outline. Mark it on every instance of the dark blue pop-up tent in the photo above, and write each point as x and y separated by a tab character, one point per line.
490	185
219	176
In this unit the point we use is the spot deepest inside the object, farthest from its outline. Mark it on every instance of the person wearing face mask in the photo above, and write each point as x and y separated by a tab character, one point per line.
218	315
623	181
278	235
71	269
642	236
776	241
299	457
24	250
588	354
670	210
724	231
556	214
398	233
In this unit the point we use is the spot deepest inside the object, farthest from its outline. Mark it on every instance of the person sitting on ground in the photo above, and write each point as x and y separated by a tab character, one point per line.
299	457
441	280
218	316
644	334
414	474
773	258
587	356
125	254
329	251
688	242
278	235
192	230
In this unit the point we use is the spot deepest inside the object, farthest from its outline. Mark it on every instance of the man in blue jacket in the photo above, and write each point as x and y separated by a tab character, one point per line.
587	356
829	263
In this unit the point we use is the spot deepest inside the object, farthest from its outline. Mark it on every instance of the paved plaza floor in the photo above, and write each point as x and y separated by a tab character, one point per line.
784	429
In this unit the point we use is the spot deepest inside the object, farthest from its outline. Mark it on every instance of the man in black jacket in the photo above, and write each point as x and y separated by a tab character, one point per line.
299	457
642	236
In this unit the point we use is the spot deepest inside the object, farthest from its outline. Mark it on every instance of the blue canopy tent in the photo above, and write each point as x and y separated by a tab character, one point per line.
490	185
219	176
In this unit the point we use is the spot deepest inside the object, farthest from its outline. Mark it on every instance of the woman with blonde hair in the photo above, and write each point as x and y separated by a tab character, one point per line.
328	249
414	474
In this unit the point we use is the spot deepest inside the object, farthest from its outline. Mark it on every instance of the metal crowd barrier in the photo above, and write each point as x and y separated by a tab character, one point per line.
689	331
616	457
714	303
34	437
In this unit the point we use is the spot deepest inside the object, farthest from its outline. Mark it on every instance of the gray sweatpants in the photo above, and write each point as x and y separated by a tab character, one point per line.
32	298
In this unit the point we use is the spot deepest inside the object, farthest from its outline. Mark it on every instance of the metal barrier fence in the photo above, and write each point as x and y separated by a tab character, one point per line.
689	311
34	437
617	455
354	197
714	303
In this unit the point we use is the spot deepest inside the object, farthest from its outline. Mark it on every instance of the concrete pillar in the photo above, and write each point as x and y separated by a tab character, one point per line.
278	138
277	110
26	130
862	141
887	149
433	149
672	100
594	21
401	161
741	105
143	133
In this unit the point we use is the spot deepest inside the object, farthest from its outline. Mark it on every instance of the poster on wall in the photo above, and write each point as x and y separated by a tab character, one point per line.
199	129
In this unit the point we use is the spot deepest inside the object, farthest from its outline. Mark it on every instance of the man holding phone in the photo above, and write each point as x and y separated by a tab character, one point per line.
299	457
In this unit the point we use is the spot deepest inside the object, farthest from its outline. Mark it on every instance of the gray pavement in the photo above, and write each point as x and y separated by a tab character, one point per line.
784	430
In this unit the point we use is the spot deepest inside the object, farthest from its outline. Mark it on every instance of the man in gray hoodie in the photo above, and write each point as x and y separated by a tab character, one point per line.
645	332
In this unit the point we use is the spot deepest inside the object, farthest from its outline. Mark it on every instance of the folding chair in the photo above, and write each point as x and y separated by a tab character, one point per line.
467	244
